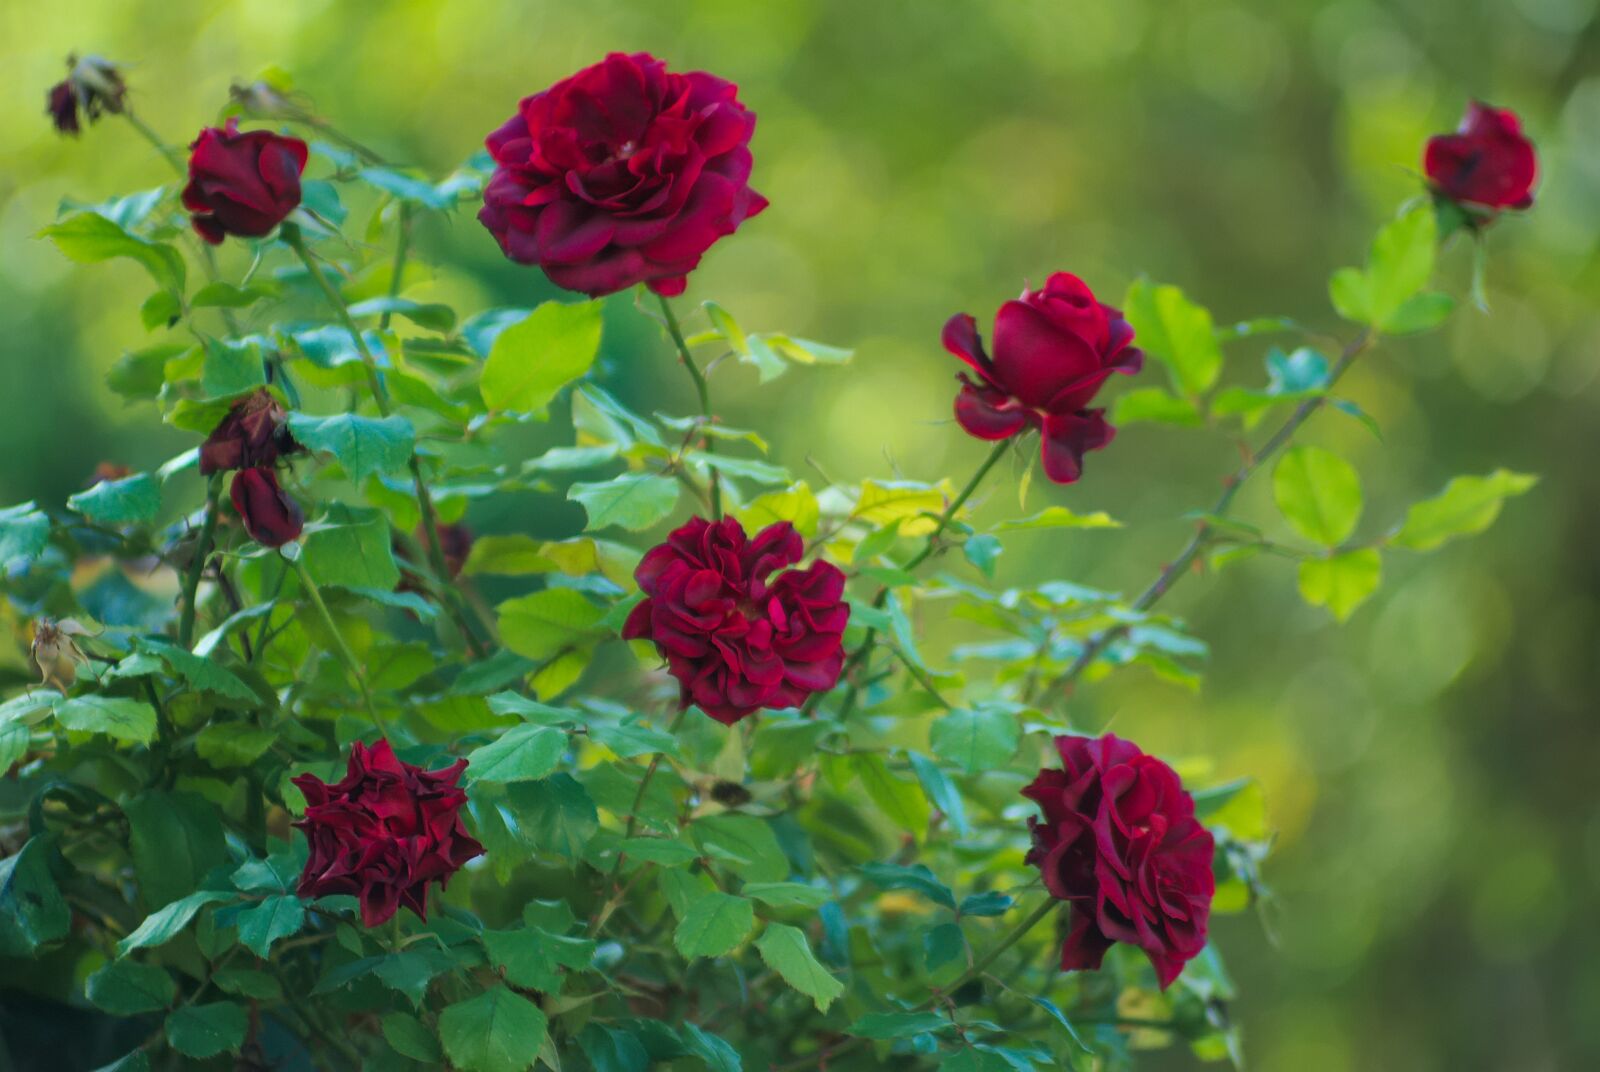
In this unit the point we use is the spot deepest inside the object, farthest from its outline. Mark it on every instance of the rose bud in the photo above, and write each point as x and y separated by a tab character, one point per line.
1053	348
62	107
384	833
1485	162
1119	841
736	637
242	184
253	433
270	516
623	173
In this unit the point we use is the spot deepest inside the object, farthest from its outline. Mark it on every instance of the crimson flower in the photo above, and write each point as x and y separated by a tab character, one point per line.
1053	348
1487	161
624	173
270	516
384	833
1119	841
242	184
737	638
252	433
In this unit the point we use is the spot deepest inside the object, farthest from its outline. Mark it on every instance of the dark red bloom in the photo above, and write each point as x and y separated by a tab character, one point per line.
62	107
1119	840
1487	161
623	173
270	516
253	433
1053	348
736	638
384	833
242	184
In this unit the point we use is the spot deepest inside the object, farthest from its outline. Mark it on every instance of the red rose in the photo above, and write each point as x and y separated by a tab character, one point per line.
252	434
242	184
624	173
735	640
62	108
384	833
270	516
1120	841
1053	348
1486	161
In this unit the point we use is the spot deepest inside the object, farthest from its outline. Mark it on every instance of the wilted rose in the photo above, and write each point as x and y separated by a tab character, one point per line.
270	516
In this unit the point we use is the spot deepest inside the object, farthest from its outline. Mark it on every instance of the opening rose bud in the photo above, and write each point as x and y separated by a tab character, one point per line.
384	833
736	637
270	516
624	173
1486	162
1053	349
1118	840
242	184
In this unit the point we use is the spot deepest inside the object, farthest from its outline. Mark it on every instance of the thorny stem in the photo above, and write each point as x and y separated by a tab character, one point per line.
197	565
1173	570
703	389
341	648
859	656
430	518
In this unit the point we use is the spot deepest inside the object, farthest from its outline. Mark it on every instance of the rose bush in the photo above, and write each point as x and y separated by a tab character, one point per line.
781	828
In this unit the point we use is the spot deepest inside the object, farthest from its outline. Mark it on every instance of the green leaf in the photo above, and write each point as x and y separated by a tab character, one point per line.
633	501
362	445
32	910
351	548
161	927
497	1031
787	894
714	925
1155	405
1059	517
1341	583
175	839
1176	331
273	919
88	238
540	624
411	1038
202	1031
160	309
787	952
745	844
795	504
941	792
943	943
233	744
976	739
611	1049
434	316
916	877
1468	505
198	671
1351	295
555	813
115	716
529	956
115	502
1318	493
523	753
220	295
713	1050
231	368
901	801
405	187
24	531
127	988
533	359
248	983
631	739
895	1025
1420	312
1401	262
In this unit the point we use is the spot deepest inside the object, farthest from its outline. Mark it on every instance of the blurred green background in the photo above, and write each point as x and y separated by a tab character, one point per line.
1430	766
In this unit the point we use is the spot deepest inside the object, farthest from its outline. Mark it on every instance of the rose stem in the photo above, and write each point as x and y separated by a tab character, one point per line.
340	647
202	551
633	824
859	656
1172	571
704	390
430	520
